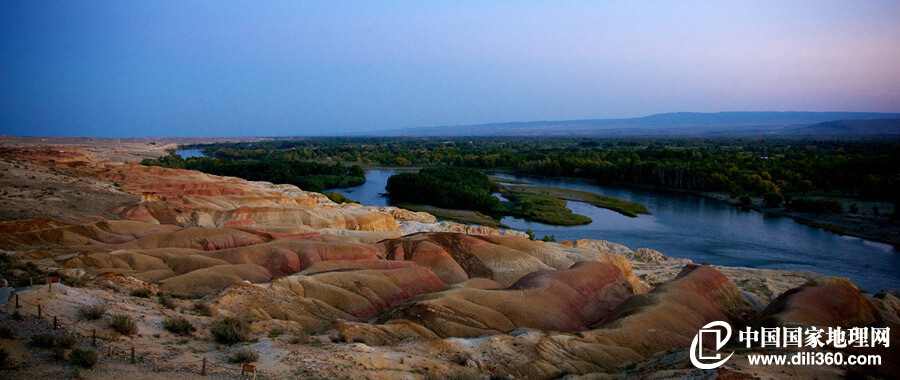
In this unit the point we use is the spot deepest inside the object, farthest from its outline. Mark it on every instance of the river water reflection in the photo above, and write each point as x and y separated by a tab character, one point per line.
703	230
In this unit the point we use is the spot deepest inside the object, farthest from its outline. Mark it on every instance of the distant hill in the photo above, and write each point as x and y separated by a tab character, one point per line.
658	125
856	128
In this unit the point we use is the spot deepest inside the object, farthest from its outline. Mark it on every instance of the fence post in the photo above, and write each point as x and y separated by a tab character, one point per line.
203	369
155	368
132	355
94	338
109	350
17	300
54	323
49	285
39	311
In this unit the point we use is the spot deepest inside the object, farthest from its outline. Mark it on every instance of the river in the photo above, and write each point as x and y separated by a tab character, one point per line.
703	230
188	153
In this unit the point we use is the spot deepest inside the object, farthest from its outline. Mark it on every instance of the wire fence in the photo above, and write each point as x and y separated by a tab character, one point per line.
101	338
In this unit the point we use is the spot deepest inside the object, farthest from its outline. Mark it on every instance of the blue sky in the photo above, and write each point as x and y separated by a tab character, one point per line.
230	68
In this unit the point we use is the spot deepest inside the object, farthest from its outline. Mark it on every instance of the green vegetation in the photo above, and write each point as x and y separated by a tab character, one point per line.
42	341
66	341
243	355
140	292
736	166
466	195
123	324
166	301
178	326
83	358
462	216
7	332
817	206
310	176
618	205
337	197
454	188
93	311
541	208
19	273
203	308
230	331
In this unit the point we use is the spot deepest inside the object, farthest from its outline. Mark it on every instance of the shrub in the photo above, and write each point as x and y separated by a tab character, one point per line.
16	316
179	326
203	309
7	332
301	337
43	340
3	356
230	331
337	197
818	206
166	301
745	202
140	292
123	324
92	312
274	333
83	358
772	199
65	341
243	355
58	353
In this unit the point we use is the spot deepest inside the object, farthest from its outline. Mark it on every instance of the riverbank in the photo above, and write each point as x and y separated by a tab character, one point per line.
620	206
462	216
884	230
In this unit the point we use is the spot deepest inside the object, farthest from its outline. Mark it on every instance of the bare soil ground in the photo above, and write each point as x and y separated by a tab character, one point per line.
29	191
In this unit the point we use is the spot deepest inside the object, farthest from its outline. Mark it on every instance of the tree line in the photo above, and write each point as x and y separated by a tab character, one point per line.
311	176
779	170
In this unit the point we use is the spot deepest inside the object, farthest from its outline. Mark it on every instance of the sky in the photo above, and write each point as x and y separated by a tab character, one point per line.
294	68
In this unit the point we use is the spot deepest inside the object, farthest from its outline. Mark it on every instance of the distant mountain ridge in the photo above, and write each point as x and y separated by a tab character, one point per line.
718	124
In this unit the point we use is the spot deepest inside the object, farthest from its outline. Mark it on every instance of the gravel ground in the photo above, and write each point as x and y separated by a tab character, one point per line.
26	362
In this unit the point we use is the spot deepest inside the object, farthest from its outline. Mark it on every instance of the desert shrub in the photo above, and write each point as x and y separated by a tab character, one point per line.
83	358
230	331
179	326
123	324
337	197
140	292
65	341
3	357
203	308
166	301
243	355
274	333
93	311
58	353
7	332
16	316
300	337
42	340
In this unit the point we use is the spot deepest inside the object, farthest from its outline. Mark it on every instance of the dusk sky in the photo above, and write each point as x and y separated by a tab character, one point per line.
227	68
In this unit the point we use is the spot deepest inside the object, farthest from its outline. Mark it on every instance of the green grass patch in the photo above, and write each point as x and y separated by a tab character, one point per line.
615	204
462	216
542	208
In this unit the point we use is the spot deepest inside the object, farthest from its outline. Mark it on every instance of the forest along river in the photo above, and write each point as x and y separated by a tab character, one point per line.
703	230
